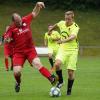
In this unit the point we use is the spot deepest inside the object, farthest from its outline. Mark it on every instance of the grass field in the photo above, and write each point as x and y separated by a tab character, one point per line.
35	87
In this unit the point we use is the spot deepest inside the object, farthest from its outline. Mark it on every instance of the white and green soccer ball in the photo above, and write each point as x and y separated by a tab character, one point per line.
55	92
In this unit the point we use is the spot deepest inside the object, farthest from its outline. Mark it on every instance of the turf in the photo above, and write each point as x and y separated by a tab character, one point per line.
35	87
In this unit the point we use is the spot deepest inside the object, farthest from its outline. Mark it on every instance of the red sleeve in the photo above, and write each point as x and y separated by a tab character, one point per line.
8	34
28	18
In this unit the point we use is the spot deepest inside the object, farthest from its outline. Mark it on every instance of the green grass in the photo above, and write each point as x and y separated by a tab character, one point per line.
35	87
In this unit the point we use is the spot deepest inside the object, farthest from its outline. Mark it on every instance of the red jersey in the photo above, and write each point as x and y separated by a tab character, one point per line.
7	45
22	37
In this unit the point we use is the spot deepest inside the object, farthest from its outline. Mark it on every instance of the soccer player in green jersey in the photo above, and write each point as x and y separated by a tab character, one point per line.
68	50
50	40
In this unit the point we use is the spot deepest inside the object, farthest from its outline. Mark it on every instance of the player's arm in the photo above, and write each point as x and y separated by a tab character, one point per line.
7	40
8	37
45	42
56	39
2	37
37	8
53	28
70	38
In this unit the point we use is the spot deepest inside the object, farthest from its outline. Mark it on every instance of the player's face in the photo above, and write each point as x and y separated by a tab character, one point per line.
17	20
68	18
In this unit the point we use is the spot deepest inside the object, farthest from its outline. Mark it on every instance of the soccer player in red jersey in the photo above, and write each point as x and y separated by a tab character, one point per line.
8	52
24	49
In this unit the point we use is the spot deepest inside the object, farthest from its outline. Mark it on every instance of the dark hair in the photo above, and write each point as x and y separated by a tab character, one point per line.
70	12
50	25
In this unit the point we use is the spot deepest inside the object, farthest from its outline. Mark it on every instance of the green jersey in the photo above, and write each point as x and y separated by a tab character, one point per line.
66	31
49	38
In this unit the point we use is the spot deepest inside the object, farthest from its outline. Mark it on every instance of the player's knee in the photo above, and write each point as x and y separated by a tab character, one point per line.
57	64
36	63
50	56
17	69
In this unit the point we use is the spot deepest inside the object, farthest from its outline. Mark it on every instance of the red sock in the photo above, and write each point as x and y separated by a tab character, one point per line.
17	78
6	63
45	72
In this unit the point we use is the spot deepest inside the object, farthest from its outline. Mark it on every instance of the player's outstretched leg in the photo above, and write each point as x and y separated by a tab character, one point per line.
17	76
52	78
44	71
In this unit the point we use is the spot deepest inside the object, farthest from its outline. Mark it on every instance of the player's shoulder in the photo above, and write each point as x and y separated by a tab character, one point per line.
76	25
11	28
24	19
27	17
60	23
46	33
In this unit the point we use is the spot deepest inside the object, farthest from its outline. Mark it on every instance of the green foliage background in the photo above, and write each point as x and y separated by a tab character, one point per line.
88	19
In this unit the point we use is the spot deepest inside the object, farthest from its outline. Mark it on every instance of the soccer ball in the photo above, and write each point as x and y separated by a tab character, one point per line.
55	92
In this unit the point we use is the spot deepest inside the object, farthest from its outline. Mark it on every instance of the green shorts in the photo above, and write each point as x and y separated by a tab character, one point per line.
68	57
53	51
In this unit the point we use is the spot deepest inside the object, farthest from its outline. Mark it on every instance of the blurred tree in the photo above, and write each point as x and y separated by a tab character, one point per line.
62	4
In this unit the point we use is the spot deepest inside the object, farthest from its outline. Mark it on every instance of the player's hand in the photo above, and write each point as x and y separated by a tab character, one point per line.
41	5
7	40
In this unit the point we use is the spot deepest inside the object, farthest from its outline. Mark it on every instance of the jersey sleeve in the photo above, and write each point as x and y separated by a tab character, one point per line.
28	18
59	23
9	34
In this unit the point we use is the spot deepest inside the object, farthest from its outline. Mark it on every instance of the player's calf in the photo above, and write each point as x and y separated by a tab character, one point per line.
69	86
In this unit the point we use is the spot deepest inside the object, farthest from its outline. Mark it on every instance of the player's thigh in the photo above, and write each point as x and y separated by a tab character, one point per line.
60	56
50	55
17	69
37	63
50	50
73	60
55	51
31	54
18	59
